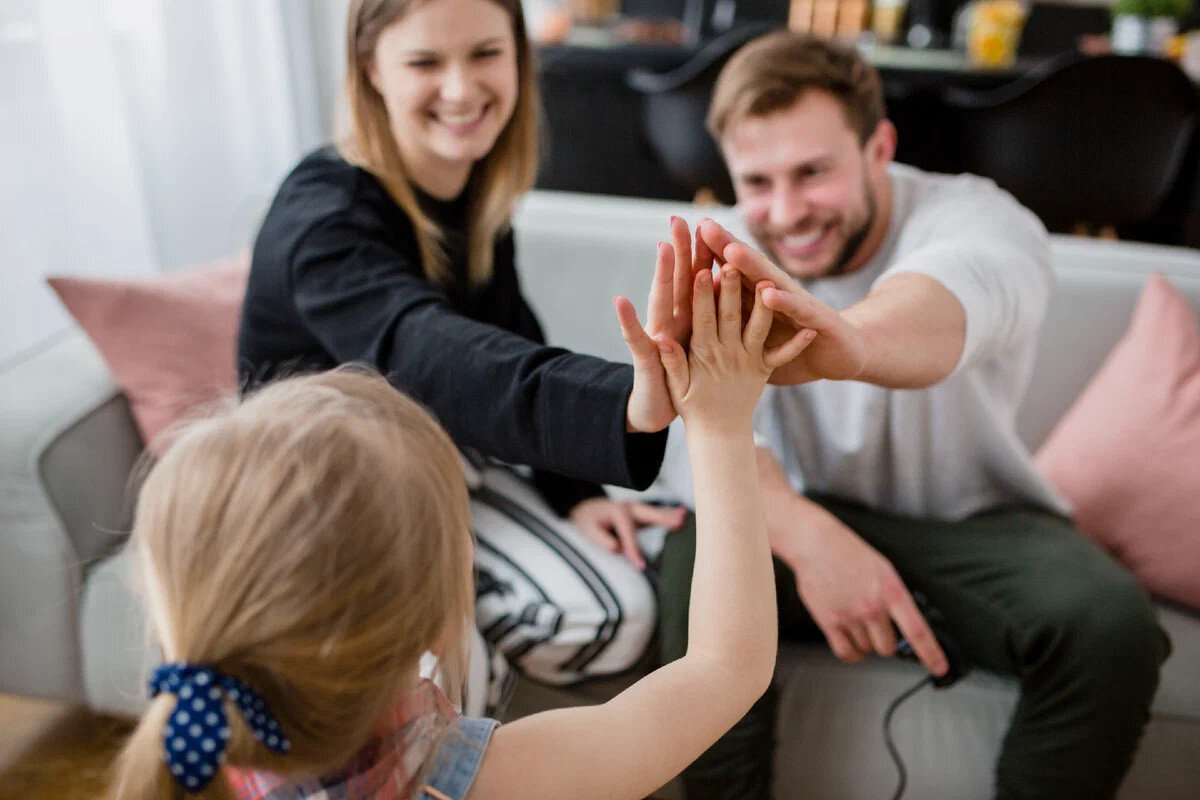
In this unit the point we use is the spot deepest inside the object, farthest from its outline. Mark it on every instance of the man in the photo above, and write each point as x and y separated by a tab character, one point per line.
893	464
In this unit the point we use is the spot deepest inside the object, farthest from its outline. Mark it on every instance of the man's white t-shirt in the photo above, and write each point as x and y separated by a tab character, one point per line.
951	450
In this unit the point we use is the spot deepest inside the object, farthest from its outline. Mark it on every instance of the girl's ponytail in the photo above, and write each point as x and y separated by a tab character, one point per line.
141	772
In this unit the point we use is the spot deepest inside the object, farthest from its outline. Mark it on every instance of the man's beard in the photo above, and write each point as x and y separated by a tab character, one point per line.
849	248
855	240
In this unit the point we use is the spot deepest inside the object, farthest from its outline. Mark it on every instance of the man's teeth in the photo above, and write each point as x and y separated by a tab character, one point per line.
797	241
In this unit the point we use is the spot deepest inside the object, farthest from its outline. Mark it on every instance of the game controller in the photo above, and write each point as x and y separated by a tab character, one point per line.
957	664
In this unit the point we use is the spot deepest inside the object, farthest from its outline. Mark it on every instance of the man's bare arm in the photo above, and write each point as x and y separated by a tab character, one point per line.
908	333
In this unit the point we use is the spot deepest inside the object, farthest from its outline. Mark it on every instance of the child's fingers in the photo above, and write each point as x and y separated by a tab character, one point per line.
674	364
704	311
730	319
778	356
759	324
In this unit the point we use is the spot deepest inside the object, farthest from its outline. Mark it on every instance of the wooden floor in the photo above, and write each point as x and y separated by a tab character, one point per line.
49	751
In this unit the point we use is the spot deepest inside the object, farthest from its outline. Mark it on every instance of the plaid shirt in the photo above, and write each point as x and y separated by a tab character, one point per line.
383	770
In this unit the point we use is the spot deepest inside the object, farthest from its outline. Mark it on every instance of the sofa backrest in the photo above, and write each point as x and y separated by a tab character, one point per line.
575	252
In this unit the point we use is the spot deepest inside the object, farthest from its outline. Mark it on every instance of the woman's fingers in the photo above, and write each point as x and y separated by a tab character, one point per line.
661	309
681	244
597	534
665	516
622	525
640	345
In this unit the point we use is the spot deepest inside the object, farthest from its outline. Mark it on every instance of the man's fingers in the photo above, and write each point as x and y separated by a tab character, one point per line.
729	324
856	632
759	324
804	310
596	533
702	256
791	349
755	265
704	311
883	636
716	238
840	644
661	308
916	630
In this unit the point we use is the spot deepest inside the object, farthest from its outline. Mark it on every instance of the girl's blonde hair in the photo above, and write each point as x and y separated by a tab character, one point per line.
313	541
496	182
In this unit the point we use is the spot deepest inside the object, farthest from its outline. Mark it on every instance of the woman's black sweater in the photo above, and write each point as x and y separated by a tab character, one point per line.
336	277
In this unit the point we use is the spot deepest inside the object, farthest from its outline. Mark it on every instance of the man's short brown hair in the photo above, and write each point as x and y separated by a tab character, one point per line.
772	72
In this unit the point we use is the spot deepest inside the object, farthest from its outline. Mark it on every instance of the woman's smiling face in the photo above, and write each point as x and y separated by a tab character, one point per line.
447	72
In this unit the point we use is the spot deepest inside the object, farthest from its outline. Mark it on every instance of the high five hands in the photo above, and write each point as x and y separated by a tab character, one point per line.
837	352
670	314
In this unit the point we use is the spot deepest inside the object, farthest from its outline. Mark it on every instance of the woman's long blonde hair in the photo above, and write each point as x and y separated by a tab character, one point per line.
313	541
496	182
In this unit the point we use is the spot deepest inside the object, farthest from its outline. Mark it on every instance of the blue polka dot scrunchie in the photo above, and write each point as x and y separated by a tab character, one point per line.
195	734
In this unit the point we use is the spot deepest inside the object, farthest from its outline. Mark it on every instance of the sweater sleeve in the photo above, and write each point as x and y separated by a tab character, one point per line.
561	492
366	300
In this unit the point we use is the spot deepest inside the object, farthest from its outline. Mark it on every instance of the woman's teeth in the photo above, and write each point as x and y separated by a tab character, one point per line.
458	120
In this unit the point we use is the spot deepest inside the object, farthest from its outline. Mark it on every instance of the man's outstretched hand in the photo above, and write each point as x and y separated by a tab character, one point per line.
838	352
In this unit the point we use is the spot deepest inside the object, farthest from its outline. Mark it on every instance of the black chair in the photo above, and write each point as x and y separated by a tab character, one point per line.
1054	28
674	107
1101	141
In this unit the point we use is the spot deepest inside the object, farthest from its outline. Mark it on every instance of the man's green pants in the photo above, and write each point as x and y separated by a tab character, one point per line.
1025	595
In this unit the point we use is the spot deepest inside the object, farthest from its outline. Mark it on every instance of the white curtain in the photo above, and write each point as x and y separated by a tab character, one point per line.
145	135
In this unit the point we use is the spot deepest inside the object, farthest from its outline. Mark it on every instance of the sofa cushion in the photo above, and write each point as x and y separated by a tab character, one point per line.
170	341
1127	453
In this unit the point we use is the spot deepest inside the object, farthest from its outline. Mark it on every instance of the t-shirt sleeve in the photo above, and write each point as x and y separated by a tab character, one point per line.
365	300
992	254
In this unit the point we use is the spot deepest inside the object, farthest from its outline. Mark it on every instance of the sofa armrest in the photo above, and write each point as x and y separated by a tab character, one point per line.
67	443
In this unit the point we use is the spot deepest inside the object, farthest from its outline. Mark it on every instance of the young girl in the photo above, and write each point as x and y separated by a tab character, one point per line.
395	249
301	552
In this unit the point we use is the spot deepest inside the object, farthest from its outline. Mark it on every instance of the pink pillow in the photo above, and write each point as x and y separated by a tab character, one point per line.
1127	454
170	341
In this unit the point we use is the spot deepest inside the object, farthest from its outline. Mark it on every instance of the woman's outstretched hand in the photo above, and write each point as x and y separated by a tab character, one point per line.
670	317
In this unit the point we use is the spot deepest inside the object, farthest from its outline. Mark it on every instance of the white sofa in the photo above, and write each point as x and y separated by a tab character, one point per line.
70	629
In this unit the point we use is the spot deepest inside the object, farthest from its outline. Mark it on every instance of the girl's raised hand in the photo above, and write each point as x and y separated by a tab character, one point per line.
718	382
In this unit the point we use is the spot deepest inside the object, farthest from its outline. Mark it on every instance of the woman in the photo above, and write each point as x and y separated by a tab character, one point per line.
394	249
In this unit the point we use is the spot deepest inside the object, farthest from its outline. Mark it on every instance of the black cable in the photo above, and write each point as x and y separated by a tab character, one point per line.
887	733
